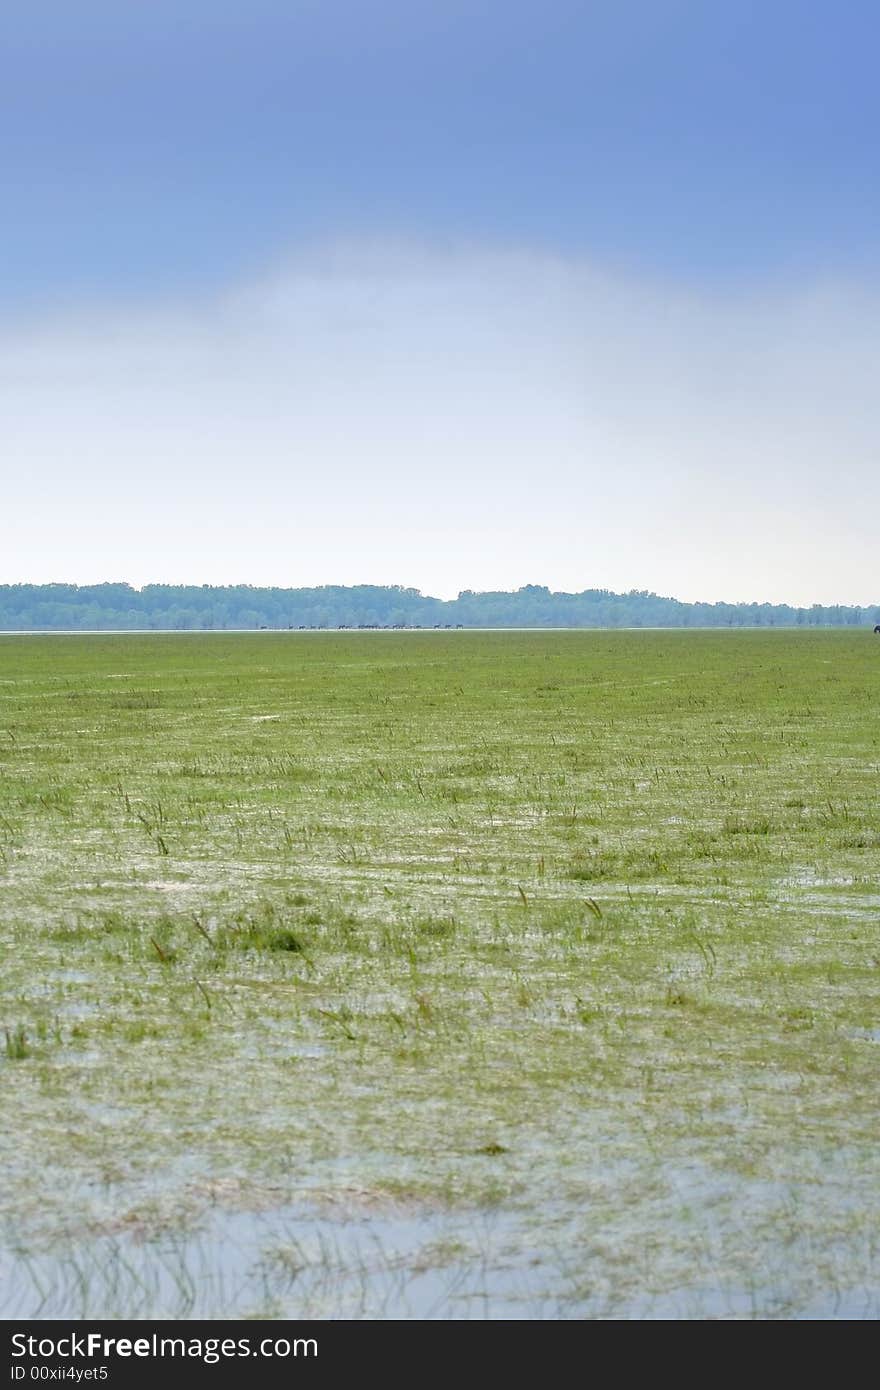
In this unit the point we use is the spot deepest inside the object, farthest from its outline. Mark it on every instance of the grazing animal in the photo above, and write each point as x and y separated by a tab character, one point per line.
877	628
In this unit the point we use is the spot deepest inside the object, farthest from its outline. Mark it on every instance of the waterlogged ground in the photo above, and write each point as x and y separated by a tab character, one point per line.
440	975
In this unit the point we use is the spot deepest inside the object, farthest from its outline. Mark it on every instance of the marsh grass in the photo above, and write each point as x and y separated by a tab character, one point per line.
578	929
17	1044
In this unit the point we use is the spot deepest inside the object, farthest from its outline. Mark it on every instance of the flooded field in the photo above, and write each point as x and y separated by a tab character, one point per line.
440	975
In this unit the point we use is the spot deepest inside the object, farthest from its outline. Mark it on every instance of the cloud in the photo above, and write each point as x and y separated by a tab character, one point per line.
450	418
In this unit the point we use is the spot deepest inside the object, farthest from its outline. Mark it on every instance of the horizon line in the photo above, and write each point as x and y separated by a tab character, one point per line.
413	591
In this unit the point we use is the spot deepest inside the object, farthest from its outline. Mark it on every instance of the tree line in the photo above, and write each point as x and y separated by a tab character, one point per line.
182	607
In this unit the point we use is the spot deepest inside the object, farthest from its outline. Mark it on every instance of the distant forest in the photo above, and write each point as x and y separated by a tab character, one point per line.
180	607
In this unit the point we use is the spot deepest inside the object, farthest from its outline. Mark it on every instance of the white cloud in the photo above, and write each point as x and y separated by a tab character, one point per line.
450	419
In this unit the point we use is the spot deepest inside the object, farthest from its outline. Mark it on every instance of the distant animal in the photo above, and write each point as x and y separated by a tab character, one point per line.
877	628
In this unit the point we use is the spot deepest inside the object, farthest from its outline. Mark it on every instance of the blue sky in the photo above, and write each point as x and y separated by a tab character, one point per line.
583	202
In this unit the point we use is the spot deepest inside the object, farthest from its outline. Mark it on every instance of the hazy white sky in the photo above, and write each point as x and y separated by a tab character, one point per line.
456	294
470	418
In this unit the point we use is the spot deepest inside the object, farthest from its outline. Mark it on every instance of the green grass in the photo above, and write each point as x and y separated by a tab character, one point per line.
578	929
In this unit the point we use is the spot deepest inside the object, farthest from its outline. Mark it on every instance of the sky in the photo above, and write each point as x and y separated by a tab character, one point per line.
442	293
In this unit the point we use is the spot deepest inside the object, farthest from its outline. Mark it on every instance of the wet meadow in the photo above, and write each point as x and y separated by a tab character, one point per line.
441	974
